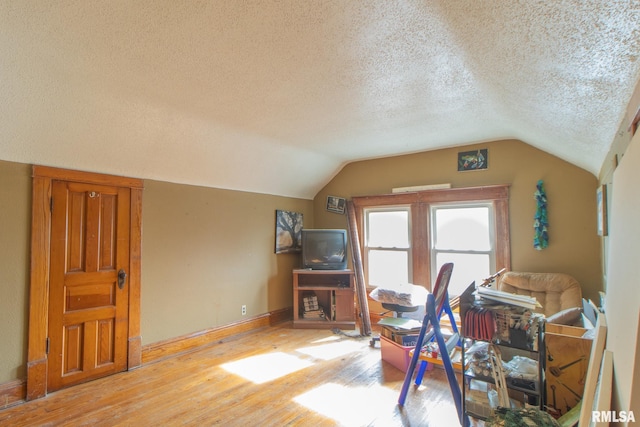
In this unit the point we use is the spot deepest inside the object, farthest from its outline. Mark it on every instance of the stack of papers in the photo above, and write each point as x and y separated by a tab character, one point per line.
508	298
402	331
400	323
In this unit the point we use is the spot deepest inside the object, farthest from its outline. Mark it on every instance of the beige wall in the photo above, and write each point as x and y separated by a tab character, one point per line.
15	225
623	284
621	251
206	252
574	246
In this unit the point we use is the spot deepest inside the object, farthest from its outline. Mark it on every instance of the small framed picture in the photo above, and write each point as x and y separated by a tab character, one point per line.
336	204
473	160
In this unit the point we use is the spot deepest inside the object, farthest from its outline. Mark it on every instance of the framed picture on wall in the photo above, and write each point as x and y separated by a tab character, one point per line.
601	198
336	204
288	232
473	160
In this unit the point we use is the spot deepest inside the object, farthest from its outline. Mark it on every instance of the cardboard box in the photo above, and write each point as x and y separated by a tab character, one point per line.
568	354
395	353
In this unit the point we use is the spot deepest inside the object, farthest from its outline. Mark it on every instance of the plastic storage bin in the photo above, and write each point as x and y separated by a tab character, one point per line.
395	353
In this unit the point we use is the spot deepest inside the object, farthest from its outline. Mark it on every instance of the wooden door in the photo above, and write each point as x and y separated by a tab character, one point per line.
88	290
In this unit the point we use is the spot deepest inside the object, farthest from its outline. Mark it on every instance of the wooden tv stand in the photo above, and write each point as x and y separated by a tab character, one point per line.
335	292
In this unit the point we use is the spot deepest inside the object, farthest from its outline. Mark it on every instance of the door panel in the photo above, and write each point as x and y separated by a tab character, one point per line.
88	312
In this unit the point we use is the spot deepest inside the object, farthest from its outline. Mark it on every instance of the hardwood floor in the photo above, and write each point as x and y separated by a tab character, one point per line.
277	376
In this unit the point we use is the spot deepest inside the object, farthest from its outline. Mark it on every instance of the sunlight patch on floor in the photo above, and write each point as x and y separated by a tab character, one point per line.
332	350
352	406
266	367
327	339
444	413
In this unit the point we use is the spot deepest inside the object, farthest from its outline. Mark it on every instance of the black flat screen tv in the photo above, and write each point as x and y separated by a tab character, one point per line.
324	249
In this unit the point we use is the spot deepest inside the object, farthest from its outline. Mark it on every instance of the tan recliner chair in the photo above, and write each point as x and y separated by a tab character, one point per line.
559	294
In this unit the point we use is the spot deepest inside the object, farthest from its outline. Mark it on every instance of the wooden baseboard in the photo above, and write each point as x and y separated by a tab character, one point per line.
167	348
12	393
15	392
282	315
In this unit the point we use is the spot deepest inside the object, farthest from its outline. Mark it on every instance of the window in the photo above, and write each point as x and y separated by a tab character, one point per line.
387	246
464	235
408	236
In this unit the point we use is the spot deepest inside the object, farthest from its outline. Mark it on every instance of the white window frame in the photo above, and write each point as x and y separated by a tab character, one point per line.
433	233
367	248
419	203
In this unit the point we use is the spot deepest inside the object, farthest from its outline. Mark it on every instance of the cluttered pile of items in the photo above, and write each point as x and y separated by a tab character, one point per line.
500	324
403	331
399	335
502	317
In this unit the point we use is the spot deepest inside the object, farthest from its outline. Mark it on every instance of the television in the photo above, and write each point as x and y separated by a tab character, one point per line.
324	249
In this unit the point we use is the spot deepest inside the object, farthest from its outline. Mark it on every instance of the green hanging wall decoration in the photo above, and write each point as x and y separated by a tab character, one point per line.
540	223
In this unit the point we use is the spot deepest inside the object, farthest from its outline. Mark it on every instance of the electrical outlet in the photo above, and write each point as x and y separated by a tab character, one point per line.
244	310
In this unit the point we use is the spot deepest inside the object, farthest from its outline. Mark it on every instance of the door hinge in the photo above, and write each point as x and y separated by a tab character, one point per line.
47	345
51	204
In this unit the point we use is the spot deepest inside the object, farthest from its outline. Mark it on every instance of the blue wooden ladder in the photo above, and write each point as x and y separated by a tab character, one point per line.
431	318
446	308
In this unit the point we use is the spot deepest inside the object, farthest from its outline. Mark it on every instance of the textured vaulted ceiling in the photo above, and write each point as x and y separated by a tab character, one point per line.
276	96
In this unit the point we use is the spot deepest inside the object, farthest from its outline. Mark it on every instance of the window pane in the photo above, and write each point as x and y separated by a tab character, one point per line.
463	229
466	269
388	267
388	229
